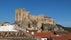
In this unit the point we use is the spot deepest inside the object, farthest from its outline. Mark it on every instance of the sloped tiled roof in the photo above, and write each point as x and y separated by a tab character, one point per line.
43	34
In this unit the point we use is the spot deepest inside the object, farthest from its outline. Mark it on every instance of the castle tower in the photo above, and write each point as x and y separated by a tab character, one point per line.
22	18
21	14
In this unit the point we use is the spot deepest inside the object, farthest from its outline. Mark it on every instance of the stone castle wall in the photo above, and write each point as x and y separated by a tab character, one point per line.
26	20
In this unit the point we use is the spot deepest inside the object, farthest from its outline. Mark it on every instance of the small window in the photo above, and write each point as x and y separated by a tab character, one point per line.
47	38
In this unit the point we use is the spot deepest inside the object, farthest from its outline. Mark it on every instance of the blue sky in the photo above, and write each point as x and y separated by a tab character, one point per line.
60	10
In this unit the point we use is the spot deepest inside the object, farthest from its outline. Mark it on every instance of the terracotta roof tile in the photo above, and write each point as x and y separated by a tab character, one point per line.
43	34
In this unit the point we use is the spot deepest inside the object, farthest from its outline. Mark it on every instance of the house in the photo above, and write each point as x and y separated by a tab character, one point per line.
7	27
41	35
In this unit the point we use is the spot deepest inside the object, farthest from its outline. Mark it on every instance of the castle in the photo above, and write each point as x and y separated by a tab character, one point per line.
28	27
25	20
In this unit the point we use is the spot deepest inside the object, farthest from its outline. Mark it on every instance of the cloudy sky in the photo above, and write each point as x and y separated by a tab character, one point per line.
60	10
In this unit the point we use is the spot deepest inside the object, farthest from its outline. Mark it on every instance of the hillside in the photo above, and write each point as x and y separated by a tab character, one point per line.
65	28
